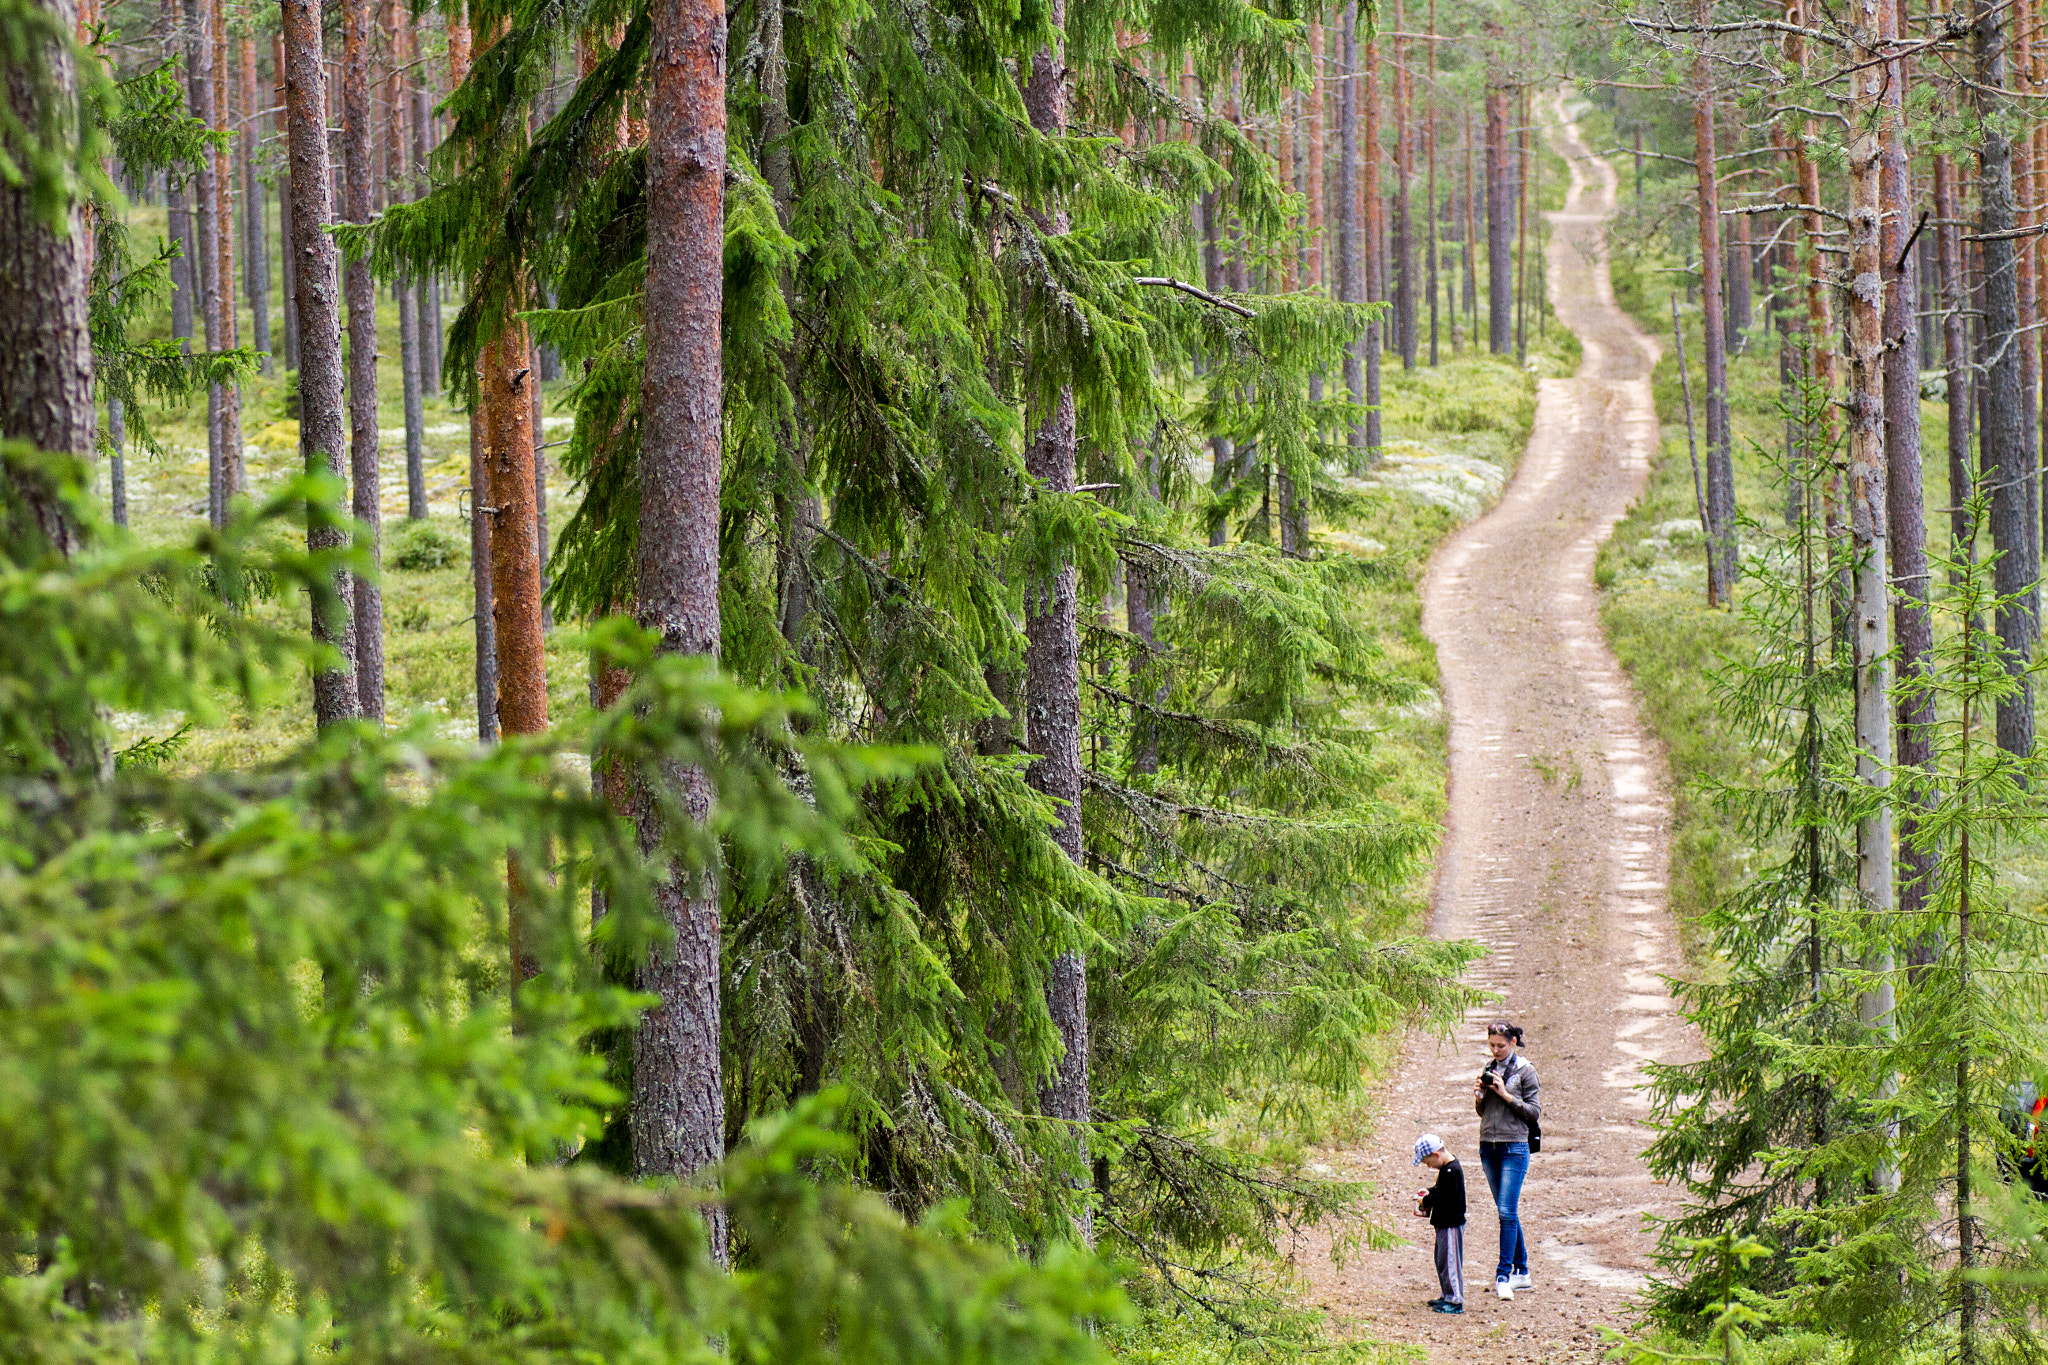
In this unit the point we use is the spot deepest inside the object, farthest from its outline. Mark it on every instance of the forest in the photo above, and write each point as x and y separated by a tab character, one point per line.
895	681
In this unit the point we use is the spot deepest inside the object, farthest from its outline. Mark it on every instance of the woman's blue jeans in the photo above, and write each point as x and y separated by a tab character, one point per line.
1506	1164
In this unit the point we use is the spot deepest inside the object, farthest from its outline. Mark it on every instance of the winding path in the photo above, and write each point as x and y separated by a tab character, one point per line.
1555	856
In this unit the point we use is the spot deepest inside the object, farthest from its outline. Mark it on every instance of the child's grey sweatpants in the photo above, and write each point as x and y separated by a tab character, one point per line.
1450	1263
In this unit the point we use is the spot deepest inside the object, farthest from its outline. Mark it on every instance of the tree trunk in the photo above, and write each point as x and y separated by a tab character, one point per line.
1471	253
117	461
506	379
362	355
1313	167
1522	179
1905	506
1350	288
1500	212
399	186
1429	149
427	300
1955	356
1737	280
1721	547
255	234
287	257
678	1117
1868	529
184	266
224	228
2004	446
1401	241
45	349
1371	274
1052	676
206	253
322	445
484	610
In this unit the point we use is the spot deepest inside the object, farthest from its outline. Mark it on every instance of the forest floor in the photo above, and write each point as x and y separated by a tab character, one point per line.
1555	857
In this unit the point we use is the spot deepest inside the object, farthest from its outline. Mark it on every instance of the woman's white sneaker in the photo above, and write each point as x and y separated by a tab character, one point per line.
1503	1288
1520	1280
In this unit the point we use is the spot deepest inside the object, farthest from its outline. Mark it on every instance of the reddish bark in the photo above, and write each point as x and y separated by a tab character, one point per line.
678	1116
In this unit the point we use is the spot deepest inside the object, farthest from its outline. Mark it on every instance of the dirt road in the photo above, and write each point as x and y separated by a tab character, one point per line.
1555	857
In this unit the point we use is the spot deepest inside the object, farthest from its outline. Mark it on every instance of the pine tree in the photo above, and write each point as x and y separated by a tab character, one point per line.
317	278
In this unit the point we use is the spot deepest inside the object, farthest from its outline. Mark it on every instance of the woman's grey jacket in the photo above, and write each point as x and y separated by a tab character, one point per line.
1507	1120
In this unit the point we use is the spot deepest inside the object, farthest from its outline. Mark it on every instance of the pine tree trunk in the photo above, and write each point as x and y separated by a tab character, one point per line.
1500	212
255	234
1522	222
1737	281
2020	72
1401	241
426	296
117	462
1955	357
1471	253
1721	549
231	479
398	188
1052	677
1372	276
364	469
1429	146
45	350
485	611
505	377
206	244
678	1117
2006	414
1313	167
1350	244
1868	529
1905	506
322	443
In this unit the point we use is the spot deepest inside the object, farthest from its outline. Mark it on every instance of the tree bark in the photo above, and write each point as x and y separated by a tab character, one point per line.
1052	675
322	444
255	233
1721	548
1429	146
1500	210
1955	357
45	349
287	258
1313	167
224	229
678	1116
1371	274
2003	443
1869	533
356	129
1905	506
1349	243
506	378
206	244
399	188
1402	239
117	462
184	266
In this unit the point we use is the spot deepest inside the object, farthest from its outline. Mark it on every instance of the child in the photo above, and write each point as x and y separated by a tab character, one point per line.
1444	1206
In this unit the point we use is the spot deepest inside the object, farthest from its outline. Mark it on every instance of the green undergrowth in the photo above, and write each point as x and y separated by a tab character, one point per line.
1652	572
1453	432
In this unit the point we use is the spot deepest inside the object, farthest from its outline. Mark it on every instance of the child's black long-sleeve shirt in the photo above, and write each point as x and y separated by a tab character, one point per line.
1445	1202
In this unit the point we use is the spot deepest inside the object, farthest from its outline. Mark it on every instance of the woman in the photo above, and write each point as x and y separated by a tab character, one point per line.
1505	1097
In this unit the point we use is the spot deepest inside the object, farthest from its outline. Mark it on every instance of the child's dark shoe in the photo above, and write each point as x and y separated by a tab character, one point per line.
1441	1306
